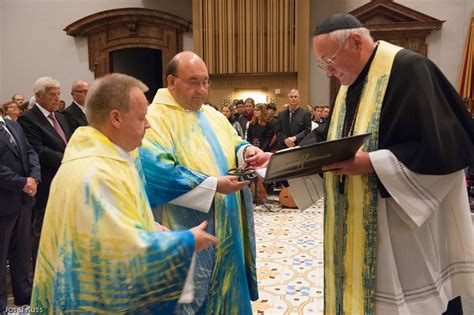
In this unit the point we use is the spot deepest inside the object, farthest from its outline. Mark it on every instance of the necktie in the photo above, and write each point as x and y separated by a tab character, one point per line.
57	127
6	133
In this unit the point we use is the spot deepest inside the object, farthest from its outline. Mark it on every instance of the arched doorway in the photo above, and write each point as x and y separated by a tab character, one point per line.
142	63
111	33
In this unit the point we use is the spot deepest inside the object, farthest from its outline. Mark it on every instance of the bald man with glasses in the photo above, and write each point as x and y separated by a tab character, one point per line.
76	112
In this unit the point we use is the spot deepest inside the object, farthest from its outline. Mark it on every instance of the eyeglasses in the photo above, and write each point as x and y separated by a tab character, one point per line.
196	84
329	62
81	91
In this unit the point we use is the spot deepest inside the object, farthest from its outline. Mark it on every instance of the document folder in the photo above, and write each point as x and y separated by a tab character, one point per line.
307	160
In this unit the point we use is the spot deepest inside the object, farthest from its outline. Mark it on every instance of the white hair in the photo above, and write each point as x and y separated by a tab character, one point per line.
43	83
341	36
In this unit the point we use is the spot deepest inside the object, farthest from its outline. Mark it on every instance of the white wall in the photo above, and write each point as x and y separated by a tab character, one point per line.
445	47
319	86
188	41
35	45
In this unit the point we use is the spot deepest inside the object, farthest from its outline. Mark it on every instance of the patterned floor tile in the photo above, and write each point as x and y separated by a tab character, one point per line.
289	260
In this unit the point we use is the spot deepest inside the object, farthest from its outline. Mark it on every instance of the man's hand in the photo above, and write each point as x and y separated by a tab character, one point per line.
230	184
161	228
290	142
30	187
202	239
360	164
260	160
251	151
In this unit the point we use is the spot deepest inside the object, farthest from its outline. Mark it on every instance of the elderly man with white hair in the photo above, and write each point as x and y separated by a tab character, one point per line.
48	133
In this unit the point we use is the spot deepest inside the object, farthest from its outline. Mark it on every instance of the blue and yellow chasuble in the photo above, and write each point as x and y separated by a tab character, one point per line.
99	252
180	150
350	221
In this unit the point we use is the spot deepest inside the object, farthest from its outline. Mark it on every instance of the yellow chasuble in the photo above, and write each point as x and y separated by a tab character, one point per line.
350	222
99	252
181	150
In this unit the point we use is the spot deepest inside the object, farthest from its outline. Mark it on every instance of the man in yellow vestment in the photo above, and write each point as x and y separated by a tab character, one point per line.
100	251
185	156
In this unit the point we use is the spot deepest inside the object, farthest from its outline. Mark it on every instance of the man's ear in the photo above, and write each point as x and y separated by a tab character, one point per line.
170	80
356	40
115	118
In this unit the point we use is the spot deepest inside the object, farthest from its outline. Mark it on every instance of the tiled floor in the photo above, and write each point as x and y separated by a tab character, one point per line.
289	260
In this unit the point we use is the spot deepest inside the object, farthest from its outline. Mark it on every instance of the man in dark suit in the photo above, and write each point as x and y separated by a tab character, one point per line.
293	123
48	132
76	112
19	176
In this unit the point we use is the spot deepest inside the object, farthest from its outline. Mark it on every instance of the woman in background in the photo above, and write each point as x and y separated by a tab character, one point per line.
11	110
260	132
247	115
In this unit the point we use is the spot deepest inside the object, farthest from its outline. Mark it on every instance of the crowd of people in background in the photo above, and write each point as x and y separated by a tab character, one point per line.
262	125
240	113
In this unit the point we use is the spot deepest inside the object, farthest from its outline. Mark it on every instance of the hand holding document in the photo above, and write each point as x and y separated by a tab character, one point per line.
307	160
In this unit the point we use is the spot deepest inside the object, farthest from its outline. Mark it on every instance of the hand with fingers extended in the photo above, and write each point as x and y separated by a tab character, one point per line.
230	184
202	239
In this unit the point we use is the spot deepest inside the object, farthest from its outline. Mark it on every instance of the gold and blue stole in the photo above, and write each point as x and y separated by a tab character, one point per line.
350	221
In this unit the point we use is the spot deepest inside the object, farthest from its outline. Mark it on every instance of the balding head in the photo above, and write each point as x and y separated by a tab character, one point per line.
188	80
182	59
79	91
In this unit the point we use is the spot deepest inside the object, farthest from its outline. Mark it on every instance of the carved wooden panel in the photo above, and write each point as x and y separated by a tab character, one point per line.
129	28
